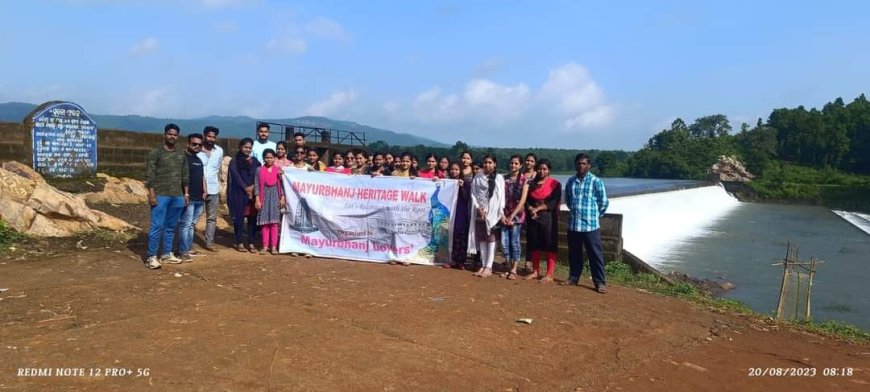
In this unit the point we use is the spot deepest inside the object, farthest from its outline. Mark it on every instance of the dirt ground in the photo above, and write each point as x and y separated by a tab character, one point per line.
237	322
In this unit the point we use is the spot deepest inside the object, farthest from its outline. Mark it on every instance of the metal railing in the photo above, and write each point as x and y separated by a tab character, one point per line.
329	137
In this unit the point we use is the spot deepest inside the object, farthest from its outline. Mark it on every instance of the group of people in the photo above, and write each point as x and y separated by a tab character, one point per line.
182	184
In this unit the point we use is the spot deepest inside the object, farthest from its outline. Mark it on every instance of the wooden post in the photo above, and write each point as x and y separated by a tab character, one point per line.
809	288
797	292
782	288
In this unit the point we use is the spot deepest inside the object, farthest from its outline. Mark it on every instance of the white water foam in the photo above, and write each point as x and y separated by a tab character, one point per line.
653	223
861	221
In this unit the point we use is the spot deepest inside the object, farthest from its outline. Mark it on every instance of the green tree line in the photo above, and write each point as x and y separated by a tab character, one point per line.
607	162
836	137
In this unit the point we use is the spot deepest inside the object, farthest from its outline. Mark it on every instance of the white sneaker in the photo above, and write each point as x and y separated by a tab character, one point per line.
170	258
152	263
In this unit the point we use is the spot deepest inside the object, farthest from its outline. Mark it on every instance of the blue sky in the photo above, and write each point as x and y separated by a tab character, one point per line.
570	74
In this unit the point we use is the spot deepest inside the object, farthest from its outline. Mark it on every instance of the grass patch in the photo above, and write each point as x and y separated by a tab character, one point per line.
104	237
826	186
836	329
621	274
8	236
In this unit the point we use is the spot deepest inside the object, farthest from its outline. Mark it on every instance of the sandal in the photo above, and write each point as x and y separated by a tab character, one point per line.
547	279
241	248
512	276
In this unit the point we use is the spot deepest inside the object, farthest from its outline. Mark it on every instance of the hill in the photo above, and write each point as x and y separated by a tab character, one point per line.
231	126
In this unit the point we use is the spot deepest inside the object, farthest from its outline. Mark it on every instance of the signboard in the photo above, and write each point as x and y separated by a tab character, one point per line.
366	218
64	141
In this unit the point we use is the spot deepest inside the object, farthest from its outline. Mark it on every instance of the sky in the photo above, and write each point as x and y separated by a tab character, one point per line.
566	74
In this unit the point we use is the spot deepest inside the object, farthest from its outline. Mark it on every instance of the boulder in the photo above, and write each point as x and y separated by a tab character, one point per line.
37	208
118	191
221	223
225	167
729	169
14	187
23	171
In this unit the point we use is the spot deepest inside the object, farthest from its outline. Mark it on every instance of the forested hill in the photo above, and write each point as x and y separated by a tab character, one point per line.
232	126
835	137
798	154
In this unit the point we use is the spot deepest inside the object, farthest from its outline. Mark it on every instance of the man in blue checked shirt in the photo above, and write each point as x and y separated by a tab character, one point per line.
587	200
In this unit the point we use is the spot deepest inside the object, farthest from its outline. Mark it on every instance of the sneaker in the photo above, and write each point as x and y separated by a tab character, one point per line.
601	289
169	258
210	248
186	258
152	263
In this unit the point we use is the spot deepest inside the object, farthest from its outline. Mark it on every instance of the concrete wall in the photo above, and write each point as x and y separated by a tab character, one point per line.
119	153
611	237
15	143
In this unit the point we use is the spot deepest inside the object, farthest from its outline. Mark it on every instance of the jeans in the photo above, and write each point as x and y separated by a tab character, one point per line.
164	219
510	242
591	240
211	213
189	217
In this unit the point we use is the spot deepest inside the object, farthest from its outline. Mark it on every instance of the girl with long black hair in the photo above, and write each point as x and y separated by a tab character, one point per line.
542	220
487	208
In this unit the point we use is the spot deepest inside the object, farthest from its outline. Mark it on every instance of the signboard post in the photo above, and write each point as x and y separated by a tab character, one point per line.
64	140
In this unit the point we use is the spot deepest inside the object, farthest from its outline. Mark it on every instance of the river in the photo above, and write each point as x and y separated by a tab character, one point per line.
709	234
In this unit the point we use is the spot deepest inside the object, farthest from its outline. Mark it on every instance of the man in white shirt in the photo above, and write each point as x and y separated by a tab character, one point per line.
212	157
262	142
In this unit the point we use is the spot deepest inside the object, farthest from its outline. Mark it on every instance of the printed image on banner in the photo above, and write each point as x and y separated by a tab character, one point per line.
364	218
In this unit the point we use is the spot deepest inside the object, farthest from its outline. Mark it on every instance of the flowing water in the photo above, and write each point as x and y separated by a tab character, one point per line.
707	233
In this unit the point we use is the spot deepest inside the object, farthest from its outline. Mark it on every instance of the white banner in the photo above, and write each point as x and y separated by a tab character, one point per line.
376	219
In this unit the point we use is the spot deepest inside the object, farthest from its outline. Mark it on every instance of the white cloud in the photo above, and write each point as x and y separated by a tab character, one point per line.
433	106
144	46
327	28
481	101
485	111
158	102
496	99
332	105
287	45
577	98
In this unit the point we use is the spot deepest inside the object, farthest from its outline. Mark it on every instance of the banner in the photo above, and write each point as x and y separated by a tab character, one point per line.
366	218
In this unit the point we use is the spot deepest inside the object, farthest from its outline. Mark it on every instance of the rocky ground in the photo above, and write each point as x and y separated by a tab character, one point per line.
238	321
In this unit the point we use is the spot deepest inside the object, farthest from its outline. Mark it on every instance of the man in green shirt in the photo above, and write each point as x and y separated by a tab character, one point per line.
167	177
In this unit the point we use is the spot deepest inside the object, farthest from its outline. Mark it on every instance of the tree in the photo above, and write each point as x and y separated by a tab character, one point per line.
379	146
459	147
712	126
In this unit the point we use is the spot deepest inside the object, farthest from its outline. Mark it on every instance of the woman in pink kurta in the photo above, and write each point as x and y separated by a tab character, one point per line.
269	199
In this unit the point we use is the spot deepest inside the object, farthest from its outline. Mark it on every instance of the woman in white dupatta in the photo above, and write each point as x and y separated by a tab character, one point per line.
487	208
